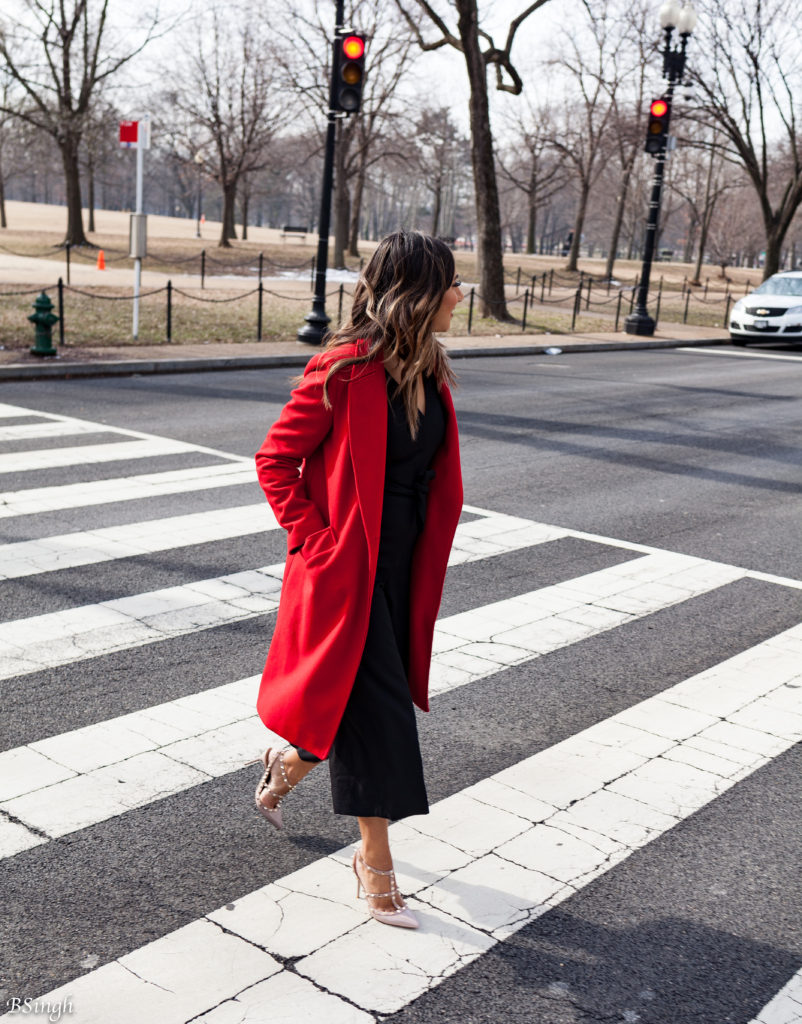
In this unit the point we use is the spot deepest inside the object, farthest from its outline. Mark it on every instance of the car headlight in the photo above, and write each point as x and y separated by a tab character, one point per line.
794	311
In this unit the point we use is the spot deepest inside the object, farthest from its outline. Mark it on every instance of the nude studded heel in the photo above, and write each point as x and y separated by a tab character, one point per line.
402	916
269	759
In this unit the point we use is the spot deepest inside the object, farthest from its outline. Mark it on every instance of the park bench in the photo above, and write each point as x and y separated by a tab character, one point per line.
295	231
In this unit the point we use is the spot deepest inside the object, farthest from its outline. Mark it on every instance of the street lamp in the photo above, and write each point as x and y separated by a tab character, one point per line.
683	20
199	162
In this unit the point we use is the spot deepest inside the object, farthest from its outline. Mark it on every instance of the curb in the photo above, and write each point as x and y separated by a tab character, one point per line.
132	367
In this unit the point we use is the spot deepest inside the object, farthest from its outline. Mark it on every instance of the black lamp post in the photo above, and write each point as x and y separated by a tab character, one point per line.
317	320
672	17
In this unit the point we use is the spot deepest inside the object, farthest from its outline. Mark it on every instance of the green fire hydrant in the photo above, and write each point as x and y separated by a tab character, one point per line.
43	319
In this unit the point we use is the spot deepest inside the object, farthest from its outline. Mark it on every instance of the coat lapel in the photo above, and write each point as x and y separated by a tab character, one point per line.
367	437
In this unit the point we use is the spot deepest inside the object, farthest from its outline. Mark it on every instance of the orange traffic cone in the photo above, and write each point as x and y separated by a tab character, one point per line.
101	260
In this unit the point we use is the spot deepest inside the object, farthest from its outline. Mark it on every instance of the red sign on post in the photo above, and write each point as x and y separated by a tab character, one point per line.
129	133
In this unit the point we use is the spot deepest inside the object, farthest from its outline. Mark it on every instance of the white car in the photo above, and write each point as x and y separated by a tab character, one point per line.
772	311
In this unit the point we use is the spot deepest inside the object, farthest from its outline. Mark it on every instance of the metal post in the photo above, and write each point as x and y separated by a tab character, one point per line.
261	262
203	267
618	309
640	322
657	307
340	305
61	310
169	312
707	281
518	281
526	303
551	279
631	303
587	299
259	312
543	286
317	322
140	166
727	311
577	304
470	309
687	301
67	248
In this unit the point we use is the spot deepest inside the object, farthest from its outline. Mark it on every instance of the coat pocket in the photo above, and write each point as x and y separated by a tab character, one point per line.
318	547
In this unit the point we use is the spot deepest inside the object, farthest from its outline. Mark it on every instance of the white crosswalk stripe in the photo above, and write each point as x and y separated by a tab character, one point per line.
486	862
481	865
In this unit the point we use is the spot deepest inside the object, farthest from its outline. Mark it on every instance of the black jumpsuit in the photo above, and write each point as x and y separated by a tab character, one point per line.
375	762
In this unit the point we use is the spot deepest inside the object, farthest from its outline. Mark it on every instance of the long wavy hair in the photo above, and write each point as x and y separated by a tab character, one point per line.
395	302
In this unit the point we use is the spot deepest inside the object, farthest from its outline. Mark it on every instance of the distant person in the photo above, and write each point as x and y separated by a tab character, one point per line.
362	469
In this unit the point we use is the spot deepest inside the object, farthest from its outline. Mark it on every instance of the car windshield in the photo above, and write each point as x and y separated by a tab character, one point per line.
780	286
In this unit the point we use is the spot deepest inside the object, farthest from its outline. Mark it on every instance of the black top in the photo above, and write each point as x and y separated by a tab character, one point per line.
408	472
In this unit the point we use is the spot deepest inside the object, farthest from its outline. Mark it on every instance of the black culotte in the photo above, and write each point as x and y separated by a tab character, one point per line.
375	760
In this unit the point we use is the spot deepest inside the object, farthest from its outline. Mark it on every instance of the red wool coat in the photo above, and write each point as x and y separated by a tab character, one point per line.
323	473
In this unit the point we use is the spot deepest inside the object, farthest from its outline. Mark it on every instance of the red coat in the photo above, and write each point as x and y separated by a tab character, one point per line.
332	509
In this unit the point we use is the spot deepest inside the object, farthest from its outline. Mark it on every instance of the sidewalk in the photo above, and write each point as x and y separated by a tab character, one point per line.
16	364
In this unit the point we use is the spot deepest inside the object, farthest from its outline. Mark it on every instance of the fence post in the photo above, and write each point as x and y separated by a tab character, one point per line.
687	302
67	248
748	285
587	299
632	298
340	305
727	312
169	312
526	303
518	281
532	284
659	298
707	282
60	311
259	311
470	309
203	267
618	309
577	304
261	262
543	286
551	279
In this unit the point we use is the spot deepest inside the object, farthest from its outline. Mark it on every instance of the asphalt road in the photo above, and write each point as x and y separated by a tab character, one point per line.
695	453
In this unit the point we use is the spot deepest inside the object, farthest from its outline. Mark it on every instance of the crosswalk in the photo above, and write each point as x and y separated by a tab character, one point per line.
97	601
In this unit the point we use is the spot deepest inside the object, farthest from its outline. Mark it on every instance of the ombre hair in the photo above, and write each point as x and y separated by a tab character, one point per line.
395	302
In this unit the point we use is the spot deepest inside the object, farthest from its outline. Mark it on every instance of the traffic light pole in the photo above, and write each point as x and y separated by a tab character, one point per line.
317	321
639	321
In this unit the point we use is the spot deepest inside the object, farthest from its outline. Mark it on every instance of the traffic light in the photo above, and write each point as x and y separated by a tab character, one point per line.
657	130
348	73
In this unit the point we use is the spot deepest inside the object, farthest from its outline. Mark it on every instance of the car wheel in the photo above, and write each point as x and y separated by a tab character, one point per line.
741	342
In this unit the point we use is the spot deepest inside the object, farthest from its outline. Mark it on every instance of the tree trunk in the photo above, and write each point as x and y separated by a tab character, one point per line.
356	211
90	192
244	203
228	230
579	223
342	203
774	243
619	220
490	254
68	144
438	201
3	221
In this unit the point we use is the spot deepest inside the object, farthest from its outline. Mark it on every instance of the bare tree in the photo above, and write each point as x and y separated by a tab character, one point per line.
750	87
225	102
438	143
60	53
584	133
532	164
468	38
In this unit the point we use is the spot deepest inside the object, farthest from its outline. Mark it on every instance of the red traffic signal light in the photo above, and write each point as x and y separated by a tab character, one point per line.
348	73
657	129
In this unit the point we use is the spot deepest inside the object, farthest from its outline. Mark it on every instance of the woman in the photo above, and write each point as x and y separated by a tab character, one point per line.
362	470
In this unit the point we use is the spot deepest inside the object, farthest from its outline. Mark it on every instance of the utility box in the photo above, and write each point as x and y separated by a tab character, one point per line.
138	236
